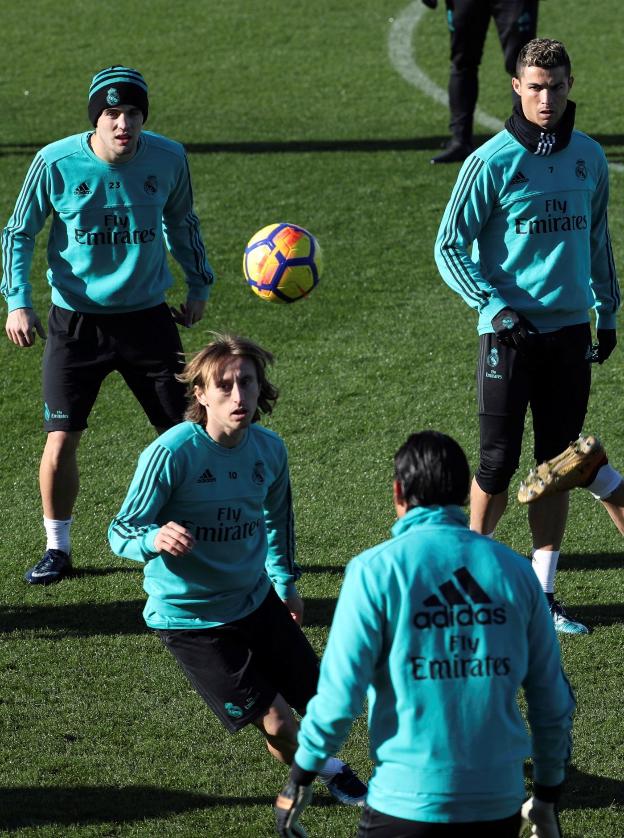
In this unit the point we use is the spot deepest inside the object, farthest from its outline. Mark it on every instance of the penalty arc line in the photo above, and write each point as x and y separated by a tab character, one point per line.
401	56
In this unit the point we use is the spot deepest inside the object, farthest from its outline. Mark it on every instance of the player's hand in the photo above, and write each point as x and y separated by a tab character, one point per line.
512	329
189	312
607	341
289	805
541	818
23	326
174	539
294	603
432	4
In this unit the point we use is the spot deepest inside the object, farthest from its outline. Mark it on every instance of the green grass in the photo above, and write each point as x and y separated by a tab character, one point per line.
291	111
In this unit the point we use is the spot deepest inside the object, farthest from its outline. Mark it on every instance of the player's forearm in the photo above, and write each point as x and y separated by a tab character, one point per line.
130	541
185	243
17	254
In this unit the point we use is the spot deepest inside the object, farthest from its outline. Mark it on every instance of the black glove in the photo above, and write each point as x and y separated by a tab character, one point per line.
432	4
607	341
512	329
291	802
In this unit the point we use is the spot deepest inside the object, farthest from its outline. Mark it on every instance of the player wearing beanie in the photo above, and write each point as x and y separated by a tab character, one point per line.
117	195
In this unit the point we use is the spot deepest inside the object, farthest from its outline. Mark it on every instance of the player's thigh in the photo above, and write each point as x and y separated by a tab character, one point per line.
222	668
374	824
503	386
561	391
516	23
149	356
283	652
468	23
75	362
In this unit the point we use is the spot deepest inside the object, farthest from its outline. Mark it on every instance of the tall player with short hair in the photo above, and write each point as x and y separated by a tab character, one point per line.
533	201
117	196
209	514
440	627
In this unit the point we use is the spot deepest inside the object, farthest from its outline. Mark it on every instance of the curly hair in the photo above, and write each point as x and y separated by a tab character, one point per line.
544	53
209	362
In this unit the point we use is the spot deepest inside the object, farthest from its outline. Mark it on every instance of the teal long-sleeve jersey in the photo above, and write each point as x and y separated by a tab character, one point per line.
441	627
110	224
236	502
539	234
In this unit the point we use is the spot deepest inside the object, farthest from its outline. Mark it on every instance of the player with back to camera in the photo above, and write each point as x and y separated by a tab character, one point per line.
209	514
533	202
117	195
440	627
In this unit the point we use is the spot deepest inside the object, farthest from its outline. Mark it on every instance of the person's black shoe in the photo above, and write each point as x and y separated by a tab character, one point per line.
454	153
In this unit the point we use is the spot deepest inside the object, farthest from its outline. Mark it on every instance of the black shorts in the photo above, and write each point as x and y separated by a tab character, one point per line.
240	667
553	378
374	824
82	349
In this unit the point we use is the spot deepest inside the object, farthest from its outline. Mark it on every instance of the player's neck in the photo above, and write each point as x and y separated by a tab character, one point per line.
102	151
225	437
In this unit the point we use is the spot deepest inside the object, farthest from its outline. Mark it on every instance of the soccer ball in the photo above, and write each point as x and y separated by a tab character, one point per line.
282	263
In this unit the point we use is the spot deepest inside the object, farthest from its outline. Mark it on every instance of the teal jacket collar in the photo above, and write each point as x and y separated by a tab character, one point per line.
436	515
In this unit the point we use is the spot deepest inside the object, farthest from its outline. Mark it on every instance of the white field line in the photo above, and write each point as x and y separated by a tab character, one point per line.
400	41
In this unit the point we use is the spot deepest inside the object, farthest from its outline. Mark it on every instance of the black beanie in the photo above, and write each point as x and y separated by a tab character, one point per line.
114	86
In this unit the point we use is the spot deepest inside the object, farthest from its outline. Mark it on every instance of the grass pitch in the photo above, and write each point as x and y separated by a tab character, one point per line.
290	111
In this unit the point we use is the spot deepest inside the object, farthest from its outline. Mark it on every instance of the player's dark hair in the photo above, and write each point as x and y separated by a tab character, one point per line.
209	362
544	53
432	470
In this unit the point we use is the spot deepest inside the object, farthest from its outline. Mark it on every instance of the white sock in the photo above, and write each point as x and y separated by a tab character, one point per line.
545	567
332	767
606	482
57	533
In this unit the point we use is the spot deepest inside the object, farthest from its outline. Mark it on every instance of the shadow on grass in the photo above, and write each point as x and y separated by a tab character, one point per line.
80	572
75	620
432	143
33	806
591	791
600	614
591	561
319	611
24	806
319	569
85	619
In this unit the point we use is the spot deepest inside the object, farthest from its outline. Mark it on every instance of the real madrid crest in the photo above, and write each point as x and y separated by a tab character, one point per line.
257	475
112	96
151	185
581	169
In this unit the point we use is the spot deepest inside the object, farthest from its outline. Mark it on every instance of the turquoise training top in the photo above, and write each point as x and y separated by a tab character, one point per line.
540	233
440	627
110	222
237	504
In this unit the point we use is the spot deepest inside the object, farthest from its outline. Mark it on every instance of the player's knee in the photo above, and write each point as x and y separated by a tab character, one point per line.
279	725
462	66
494	475
61	445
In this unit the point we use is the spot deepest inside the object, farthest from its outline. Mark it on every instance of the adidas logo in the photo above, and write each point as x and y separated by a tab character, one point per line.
207	477
463	603
518	178
82	190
